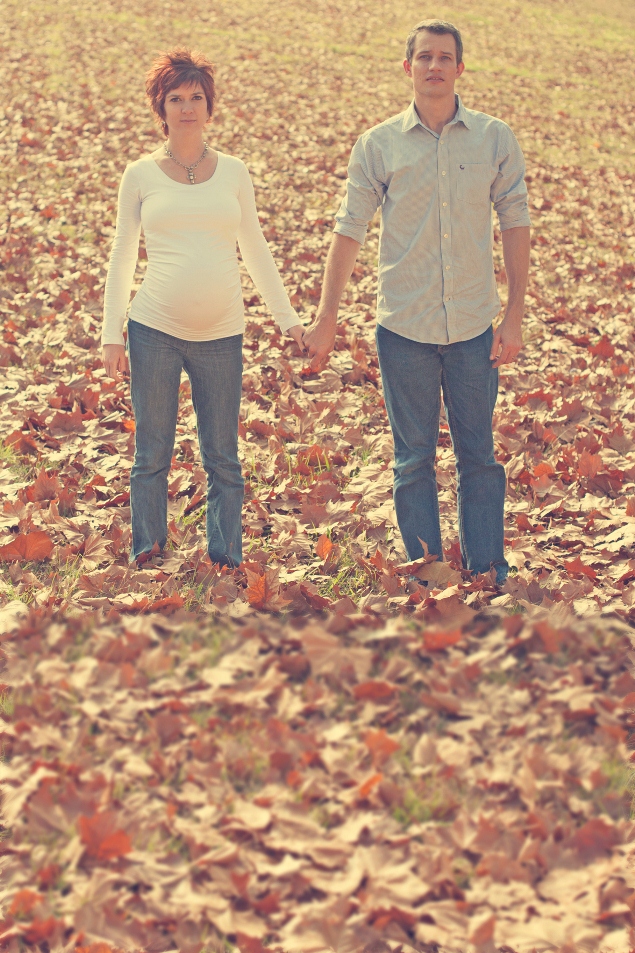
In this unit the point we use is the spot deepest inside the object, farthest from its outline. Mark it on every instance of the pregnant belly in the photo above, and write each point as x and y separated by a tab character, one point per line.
190	300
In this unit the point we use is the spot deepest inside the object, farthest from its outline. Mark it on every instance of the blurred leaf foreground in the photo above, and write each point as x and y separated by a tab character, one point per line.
317	751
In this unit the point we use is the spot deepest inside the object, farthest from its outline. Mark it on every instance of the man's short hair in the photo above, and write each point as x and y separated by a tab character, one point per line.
434	26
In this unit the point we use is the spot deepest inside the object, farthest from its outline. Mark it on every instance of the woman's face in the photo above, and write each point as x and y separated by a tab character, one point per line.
186	108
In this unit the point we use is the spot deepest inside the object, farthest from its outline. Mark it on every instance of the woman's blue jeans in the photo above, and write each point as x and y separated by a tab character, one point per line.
413	377
215	372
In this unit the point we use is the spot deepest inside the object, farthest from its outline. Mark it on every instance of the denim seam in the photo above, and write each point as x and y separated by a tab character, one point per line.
457	453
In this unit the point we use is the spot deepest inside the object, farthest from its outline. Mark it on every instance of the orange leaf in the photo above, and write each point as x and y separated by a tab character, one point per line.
23	903
294	779
324	546
589	464
41	930
603	348
167	604
373	691
103	840
313	457
128	425
551	638
630	506
249	944
576	567
367	786
436	641
261	428
380	745
267	905
30	547
263	592
21	442
483	930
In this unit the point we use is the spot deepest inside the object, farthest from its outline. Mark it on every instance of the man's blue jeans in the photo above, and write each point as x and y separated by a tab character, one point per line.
215	372
413	376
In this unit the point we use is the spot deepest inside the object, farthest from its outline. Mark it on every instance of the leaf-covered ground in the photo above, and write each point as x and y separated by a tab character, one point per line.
315	751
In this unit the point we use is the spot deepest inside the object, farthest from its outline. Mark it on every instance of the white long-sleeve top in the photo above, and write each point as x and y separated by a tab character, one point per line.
191	288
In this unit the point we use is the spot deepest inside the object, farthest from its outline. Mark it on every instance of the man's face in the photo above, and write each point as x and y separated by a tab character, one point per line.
434	69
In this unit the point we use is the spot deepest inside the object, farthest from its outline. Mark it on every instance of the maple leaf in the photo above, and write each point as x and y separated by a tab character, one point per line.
603	348
576	567
103	840
21	443
323	546
380	745
45	487
589	464
28	547
67	422
263	591
23	903
40	931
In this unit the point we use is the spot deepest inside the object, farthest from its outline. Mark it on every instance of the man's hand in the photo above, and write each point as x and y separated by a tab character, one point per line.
296	333
508	341
115	360
319	340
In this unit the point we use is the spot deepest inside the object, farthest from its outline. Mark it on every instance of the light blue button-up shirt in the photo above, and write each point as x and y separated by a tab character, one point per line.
436	280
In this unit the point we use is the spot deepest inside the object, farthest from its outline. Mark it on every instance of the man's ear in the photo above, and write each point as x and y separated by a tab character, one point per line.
460	68
408	68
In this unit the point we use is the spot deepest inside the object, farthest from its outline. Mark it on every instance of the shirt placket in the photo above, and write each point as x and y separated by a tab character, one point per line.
447	265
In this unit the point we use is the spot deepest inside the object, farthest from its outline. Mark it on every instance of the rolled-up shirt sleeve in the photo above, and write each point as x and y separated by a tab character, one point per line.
364	194
509	192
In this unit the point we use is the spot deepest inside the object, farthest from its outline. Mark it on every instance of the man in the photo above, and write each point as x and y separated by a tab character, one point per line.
435	170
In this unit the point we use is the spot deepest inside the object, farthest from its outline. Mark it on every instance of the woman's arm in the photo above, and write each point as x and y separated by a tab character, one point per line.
121	268
259	261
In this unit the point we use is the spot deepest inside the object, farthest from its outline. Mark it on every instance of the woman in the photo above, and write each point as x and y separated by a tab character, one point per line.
194	203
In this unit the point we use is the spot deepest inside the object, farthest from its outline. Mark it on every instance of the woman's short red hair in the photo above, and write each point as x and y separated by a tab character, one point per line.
174	68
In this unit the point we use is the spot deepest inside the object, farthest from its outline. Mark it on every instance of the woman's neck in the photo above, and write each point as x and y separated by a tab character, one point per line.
186	149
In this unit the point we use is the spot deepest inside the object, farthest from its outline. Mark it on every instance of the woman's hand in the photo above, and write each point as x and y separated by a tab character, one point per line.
296	333
115	360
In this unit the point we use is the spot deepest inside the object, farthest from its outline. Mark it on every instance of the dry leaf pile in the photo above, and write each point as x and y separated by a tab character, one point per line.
431	764
295	789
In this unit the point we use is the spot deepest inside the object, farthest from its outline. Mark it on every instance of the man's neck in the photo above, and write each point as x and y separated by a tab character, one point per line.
436	113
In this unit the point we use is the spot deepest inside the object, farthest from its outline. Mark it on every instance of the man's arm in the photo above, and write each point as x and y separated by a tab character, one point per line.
508	339
319	338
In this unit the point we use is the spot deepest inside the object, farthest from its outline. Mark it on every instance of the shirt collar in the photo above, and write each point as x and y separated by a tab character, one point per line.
411	117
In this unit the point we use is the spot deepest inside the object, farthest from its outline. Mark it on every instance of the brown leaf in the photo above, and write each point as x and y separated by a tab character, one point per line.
380	745
44	488
263	591
103	840
28	547
374	691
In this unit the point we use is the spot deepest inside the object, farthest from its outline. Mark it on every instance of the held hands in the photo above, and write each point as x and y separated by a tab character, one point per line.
115	360
296	333
319	341
508	341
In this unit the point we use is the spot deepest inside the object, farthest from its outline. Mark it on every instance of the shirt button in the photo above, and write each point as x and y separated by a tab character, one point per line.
444	204
443	173
446	235
447	267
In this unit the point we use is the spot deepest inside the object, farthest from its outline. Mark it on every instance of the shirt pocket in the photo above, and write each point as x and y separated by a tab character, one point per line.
473	183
